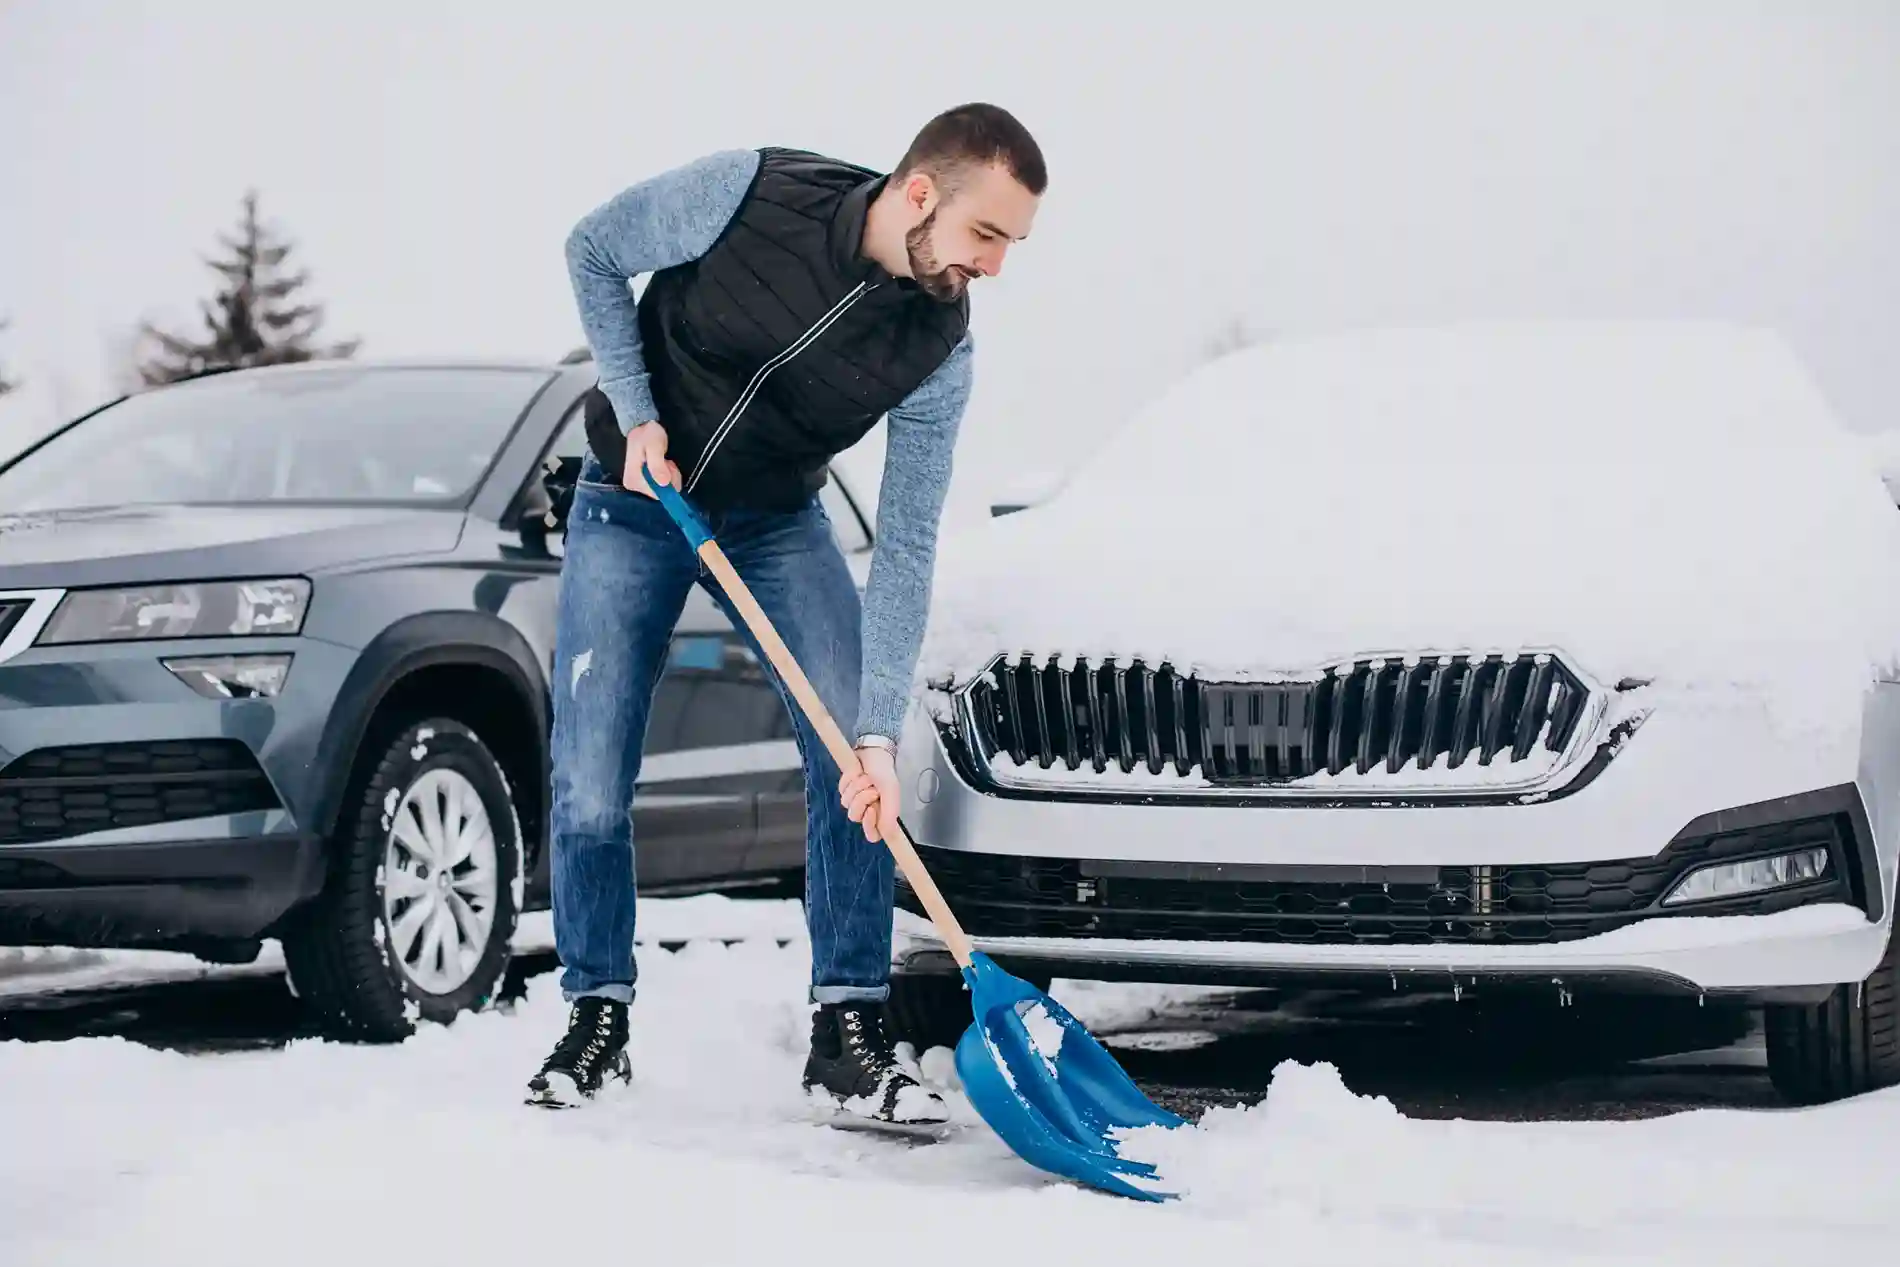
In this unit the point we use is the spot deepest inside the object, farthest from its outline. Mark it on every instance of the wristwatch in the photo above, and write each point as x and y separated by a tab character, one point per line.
877	741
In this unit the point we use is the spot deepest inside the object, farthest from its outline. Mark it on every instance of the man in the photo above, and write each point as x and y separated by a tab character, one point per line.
793	301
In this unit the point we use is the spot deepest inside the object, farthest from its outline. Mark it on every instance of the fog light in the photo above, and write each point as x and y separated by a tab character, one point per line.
1726	879
232	676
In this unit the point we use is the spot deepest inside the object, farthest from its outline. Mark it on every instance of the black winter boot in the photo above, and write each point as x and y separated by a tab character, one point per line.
852	1065
593	1050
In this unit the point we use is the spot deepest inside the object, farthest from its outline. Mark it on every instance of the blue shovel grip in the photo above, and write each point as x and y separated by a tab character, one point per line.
697	533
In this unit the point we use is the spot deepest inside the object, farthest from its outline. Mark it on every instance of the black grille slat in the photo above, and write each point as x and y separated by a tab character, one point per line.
1530	714
1183	756
1250	741
1461	720
1434	701
1045	745
53	793
1231	703
1395	749
1336	735
1295	731
1281	719
1098	721
1565	712
1368	716
1151	734
1016	746
1204	704
1361	716
1492	728
1005	896
1124	724
1075	708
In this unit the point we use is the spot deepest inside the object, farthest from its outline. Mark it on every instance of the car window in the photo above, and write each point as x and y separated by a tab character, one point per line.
571	440
347	434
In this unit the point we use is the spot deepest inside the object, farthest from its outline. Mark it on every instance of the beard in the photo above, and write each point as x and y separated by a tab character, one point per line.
943	284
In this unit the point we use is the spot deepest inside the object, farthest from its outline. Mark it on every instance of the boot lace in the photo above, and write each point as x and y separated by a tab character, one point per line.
862	1033
589	1027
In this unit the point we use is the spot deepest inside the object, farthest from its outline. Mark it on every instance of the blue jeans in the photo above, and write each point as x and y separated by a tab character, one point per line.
624	582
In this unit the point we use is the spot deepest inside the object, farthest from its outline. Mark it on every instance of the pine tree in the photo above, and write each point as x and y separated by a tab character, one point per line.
6	384
1235	334
251	319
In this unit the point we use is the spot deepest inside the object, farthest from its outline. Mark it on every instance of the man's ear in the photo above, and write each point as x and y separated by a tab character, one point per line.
920	193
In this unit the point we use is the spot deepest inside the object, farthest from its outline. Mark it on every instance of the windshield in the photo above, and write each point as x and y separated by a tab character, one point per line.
418	436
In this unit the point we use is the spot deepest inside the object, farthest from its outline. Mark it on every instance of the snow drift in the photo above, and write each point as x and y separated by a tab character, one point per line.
422	1152
1666	501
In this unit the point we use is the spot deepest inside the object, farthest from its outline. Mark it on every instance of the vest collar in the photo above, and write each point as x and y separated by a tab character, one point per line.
846	236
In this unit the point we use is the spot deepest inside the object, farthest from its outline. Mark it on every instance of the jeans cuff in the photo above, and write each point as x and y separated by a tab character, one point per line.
850	993
620	993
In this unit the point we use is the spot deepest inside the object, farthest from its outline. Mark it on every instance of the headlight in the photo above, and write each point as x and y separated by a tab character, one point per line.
208	609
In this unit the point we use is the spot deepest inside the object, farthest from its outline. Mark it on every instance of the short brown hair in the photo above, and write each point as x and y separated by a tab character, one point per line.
974	135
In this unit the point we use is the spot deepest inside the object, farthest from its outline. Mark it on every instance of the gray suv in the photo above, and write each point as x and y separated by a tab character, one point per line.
275	648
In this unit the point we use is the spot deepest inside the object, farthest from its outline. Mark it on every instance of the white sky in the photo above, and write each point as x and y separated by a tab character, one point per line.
1304	167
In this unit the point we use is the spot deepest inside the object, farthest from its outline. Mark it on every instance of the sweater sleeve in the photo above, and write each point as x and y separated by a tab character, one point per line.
917	467
663	221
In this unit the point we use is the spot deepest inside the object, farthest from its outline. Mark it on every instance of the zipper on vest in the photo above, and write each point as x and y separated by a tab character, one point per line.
791	350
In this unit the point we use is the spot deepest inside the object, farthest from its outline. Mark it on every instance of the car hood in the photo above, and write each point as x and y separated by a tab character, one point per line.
1678	509
137	544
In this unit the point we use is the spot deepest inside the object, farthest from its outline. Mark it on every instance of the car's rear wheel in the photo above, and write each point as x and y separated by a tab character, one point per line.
1841	1047
418	912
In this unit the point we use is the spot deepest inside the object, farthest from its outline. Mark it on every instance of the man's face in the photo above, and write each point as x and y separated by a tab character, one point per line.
967	234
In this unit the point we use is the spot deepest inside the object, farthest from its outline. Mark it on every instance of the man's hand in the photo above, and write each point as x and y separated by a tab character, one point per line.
647	443
870	797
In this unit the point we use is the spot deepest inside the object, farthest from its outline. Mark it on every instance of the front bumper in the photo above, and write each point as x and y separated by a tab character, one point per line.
1796	956
137	812
1564	892
181	893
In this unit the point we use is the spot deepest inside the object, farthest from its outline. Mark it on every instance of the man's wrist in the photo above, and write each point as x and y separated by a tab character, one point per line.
874	740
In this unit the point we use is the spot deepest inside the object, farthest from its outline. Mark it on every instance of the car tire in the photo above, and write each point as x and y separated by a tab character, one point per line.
1844	1046
928	1009
371	955
932	1009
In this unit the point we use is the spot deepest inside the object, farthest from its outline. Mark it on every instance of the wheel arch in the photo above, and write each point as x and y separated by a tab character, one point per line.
450	662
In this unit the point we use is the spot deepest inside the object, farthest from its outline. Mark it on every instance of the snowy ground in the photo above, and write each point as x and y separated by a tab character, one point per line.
321	1153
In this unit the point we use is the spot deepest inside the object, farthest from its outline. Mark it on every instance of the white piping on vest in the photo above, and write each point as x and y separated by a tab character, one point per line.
796	346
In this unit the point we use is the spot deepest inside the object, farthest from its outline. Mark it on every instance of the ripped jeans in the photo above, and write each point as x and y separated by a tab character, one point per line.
625	579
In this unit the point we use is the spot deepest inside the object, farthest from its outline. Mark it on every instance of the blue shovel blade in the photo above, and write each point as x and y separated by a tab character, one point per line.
1049	1089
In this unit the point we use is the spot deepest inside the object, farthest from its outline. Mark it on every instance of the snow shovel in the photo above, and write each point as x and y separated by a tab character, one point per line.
1029	1068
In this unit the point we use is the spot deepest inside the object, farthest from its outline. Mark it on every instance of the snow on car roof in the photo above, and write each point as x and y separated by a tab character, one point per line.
1625	386
1673	501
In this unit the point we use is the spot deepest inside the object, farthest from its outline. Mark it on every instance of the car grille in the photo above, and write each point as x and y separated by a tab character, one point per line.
1008	896
1372	714
52	793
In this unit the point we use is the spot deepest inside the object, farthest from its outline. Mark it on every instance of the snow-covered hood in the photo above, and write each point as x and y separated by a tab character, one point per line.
1665	502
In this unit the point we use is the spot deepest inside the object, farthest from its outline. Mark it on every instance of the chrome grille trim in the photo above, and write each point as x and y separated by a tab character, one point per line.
1483	723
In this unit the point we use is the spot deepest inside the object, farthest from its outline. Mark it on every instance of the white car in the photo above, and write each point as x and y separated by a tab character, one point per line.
1561	655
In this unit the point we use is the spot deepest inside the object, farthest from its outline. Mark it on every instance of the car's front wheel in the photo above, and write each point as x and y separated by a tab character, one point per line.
1841	1047
418	913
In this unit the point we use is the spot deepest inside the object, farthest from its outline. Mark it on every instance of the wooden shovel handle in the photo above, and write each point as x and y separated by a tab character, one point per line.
841	749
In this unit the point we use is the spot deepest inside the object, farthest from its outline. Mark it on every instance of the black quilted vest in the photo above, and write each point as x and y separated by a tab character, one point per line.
781	346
